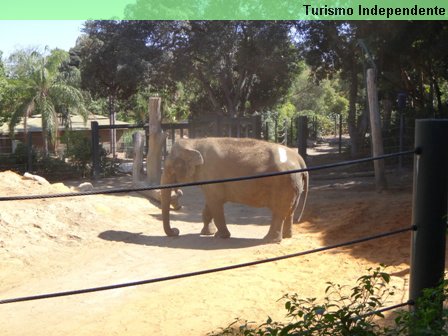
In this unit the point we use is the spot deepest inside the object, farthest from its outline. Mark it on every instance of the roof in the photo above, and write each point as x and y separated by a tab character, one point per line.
35	123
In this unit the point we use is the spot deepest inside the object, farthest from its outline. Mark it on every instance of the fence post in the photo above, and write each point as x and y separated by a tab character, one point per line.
340	133
257	126
29	153
156	142
302	135
266	131
138	142
95	150
430	206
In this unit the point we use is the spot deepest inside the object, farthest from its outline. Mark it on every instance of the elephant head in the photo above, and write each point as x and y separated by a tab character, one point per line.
180	167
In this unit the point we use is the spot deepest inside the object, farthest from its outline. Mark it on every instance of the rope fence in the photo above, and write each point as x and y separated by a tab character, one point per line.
213	270
429	135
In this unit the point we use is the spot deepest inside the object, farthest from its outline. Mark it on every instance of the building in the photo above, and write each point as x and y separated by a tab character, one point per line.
34	126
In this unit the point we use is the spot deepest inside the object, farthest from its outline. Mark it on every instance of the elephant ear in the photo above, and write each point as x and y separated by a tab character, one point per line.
192	158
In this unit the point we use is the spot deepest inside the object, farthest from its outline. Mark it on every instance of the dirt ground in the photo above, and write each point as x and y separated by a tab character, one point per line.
73	243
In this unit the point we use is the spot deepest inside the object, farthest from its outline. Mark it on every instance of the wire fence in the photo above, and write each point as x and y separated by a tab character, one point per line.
219	269
200	183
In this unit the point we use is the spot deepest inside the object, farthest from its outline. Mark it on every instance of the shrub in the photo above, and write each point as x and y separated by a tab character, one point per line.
78	150
353	314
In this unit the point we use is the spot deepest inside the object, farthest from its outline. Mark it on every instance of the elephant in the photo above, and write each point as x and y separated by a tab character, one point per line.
192	160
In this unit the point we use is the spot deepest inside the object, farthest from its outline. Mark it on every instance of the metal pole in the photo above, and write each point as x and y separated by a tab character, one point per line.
266	133
95	150
29	149
340	133
302	135
276	130
430	206
400	159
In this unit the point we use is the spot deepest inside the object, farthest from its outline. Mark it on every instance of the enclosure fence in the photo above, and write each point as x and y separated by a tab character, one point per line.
429	221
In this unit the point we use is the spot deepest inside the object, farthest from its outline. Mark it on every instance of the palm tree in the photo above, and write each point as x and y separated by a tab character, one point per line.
43	90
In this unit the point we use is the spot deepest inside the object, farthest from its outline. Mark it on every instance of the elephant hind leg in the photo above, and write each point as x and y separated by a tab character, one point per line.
287	226
209	228
275	233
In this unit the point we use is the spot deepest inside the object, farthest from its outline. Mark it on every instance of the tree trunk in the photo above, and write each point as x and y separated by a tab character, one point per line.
375	126
357	124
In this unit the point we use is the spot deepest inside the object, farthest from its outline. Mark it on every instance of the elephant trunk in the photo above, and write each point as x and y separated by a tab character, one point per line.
166	200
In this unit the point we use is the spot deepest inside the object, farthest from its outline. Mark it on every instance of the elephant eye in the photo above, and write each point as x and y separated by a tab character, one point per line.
180	169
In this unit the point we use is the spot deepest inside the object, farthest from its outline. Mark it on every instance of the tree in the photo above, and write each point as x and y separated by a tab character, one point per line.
323	100
112	62
225	67
330	48
408	57
38	88
3	89
240	66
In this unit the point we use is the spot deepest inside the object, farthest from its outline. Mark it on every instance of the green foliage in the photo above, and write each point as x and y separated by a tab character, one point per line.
78	150
355	313
206	67
36	86
321	101
428	318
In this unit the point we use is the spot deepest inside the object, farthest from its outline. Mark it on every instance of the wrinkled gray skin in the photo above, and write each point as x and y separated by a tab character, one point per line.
193	160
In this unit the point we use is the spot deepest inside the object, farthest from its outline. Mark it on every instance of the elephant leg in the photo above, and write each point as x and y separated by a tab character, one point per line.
209	228
275	234
217	211
287	226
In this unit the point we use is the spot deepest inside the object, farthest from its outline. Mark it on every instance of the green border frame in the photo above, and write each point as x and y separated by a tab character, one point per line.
223	10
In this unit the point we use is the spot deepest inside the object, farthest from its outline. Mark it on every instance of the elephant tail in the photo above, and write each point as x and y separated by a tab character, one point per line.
305	181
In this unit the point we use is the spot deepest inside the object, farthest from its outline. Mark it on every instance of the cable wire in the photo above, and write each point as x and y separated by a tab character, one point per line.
199	183
202	272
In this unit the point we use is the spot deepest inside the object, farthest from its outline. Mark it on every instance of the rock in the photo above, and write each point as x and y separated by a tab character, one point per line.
85	186
37	178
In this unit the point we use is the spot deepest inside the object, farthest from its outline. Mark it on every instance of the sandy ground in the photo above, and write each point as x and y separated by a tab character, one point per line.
64	244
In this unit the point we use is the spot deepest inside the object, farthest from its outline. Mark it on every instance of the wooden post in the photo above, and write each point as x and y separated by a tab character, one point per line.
156	142
154	157
138	157
375	127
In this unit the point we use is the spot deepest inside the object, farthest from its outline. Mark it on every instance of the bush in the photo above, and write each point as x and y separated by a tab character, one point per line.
20	155
78	150
353	314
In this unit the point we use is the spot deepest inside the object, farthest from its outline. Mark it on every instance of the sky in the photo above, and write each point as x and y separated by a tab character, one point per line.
38	33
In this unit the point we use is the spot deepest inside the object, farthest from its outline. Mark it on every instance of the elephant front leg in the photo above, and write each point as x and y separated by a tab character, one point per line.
209	228
275	234
217	211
